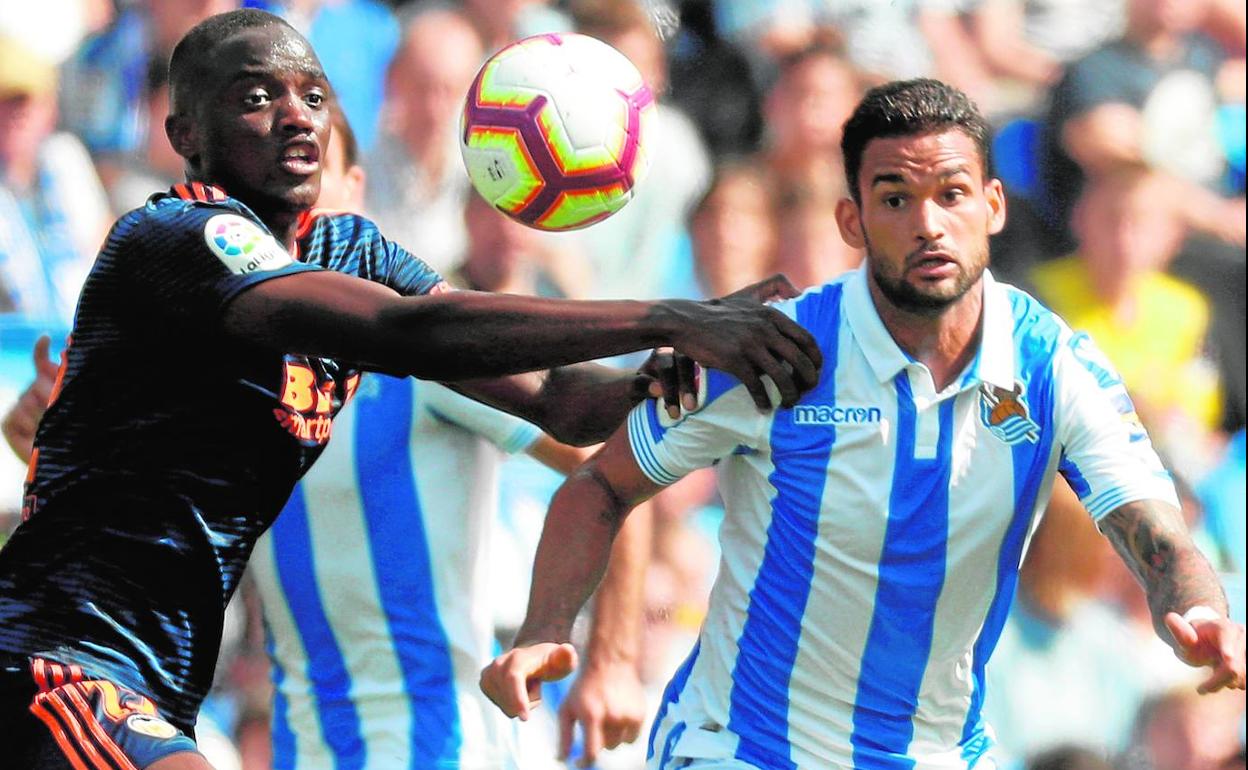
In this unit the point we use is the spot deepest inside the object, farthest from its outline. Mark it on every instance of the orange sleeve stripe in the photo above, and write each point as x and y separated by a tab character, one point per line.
38	670
88	718
74	743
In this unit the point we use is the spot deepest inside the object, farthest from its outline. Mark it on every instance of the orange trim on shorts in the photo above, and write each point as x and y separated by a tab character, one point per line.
76	738
74	693
58	735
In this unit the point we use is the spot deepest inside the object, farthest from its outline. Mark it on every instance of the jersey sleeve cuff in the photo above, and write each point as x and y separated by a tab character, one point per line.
1107	501
644	446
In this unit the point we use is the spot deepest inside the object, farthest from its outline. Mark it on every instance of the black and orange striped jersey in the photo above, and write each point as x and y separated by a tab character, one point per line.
170	445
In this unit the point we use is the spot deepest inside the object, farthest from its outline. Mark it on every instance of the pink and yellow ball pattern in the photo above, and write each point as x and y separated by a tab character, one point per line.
554	131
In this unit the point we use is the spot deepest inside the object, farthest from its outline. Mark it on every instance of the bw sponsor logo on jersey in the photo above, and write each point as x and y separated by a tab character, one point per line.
823	414
1005	414
242	245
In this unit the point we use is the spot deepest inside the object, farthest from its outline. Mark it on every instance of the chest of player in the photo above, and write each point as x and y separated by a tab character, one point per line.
870	460
308	393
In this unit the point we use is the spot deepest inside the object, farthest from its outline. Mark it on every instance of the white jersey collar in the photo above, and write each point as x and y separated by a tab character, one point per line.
993	362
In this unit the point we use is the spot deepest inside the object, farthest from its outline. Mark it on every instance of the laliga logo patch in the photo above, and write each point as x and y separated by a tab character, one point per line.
152	727
1005	415
242	246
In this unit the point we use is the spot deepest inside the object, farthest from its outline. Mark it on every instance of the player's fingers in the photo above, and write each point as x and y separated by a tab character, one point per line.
558	661
800	337
669	380
687	379
1183	632
503	690
567	726
803	371
632	731
40	352
781	376
1222	676
593	742
752	379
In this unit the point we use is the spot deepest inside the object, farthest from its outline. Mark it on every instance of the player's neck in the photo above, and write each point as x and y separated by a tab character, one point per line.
944	343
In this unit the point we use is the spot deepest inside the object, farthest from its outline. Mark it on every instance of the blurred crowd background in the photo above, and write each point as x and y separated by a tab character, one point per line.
1119	134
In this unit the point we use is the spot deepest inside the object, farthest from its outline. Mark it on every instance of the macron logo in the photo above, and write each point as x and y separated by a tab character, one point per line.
822	414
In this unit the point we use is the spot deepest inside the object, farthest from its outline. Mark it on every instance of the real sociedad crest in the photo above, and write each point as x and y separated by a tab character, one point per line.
1004	413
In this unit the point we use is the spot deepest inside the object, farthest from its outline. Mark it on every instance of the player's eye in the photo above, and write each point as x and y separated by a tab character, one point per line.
954	195
315	99
894	201
256	97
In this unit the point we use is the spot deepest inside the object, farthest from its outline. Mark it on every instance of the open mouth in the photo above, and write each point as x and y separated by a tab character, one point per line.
301	158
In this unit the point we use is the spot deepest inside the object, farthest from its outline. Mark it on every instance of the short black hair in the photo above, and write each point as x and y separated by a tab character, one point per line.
910	108
188	64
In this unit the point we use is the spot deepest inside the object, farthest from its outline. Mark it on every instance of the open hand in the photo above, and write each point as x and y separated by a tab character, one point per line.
1214	642
513	681
749	340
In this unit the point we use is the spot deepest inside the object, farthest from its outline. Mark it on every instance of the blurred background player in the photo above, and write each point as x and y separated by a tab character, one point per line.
375	578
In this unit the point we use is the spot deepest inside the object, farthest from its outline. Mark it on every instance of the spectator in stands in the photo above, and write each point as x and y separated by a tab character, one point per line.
814	95
1152	326
417	185
53	213
810	248
153	166
1068	757
1145	100
1180	730
1026	43
500	22
636	253
712	80
105	85
734	229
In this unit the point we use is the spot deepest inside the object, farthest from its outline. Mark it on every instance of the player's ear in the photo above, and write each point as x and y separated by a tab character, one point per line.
183	136
849	221
994	197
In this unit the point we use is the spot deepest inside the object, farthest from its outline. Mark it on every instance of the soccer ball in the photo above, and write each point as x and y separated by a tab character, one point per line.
554	131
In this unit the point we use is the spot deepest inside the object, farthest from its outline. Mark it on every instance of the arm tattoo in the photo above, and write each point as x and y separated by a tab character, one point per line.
1152	538
616	508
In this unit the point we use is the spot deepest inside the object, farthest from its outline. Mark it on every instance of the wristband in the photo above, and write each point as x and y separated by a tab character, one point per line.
1201	612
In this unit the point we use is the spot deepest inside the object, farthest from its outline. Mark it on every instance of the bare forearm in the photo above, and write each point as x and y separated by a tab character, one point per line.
469	334
615	633
1153	540
572	555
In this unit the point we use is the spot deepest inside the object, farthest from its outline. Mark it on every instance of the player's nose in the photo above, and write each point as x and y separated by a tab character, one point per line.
928	221
294	115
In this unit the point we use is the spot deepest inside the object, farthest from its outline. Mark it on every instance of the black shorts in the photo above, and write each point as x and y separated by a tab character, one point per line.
56	718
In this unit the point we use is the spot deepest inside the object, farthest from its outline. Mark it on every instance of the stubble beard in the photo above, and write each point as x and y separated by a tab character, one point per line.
912	299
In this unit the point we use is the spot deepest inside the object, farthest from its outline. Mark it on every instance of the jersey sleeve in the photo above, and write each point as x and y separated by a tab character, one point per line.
408	274
189	260
507	432
1106	455
667	450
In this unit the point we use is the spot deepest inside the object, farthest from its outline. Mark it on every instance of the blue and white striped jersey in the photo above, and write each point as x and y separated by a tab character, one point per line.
873	533
374	585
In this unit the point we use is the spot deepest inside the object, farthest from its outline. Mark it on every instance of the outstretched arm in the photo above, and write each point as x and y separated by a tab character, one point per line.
572	556
1153	540
462	335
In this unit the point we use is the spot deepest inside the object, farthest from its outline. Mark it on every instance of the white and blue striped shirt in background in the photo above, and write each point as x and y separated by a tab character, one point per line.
873	533
374	581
